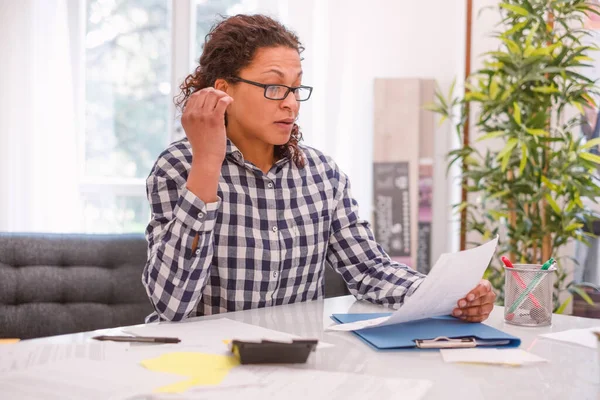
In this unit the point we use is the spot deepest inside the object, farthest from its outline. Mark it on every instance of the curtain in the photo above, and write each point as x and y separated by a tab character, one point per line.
38	133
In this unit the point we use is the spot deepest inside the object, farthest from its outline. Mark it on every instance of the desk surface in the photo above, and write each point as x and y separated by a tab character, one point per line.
573	371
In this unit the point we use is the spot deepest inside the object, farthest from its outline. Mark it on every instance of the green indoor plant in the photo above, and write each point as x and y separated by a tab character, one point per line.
530	187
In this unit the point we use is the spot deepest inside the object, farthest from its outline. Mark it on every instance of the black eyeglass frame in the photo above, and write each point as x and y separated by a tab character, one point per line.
267	86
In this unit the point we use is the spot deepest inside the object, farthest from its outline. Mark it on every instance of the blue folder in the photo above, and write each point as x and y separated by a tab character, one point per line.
403	336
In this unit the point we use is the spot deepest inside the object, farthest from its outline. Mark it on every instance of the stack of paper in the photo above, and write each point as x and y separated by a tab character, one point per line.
452	278
582	337
512	357
210	335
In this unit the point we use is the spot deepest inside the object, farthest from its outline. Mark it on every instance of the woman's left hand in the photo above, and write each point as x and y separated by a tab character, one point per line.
477	305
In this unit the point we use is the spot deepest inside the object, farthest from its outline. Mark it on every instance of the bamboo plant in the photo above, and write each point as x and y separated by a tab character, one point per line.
526	102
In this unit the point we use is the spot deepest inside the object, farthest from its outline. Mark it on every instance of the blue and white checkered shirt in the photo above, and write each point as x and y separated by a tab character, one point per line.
264	242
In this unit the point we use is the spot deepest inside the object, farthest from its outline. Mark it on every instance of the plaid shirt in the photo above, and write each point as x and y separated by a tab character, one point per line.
264	242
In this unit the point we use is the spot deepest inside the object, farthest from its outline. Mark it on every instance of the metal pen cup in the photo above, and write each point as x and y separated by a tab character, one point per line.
528	295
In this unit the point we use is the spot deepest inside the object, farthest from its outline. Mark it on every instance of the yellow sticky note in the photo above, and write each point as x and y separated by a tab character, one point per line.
201	369
9	341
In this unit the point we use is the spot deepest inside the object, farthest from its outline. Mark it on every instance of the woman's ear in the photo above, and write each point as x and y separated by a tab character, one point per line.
222	85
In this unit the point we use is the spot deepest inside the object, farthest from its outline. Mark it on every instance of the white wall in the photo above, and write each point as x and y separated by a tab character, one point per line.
348	45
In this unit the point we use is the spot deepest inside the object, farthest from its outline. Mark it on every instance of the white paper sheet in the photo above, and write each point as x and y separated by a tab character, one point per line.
452	277
22	355
581	337
278	383
82	379
209	335
512	357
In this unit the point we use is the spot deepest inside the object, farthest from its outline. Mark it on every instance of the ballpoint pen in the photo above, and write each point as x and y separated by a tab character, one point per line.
519	280
138	339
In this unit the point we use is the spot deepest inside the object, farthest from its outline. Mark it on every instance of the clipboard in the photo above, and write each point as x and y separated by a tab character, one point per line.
432	333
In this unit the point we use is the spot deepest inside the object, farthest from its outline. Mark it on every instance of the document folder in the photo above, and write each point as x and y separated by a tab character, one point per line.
431	333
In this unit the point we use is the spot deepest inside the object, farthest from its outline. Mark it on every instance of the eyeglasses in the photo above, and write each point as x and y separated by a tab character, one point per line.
280	92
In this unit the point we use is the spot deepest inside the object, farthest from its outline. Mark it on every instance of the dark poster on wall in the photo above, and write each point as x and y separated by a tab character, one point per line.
391	207
425	215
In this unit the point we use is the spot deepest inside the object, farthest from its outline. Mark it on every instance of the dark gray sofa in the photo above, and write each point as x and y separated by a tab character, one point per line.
52	284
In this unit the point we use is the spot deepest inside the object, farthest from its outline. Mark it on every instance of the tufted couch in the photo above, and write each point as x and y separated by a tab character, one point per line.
53	284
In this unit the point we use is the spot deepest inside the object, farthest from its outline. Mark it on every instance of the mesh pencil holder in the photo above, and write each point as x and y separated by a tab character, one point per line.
528	295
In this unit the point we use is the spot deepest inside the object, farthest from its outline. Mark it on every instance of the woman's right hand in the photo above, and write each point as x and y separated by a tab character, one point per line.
203	120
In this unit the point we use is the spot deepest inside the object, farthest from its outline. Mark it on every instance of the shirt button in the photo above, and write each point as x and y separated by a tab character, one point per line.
274	229
198	252
275	274
270	185
201	215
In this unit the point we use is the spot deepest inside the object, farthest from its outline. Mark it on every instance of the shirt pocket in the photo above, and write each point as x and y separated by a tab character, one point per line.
311	238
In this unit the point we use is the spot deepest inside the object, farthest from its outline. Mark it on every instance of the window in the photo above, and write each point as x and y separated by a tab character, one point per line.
127	95
135	54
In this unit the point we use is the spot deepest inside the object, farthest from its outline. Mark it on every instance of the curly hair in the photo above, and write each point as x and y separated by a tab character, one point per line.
228	48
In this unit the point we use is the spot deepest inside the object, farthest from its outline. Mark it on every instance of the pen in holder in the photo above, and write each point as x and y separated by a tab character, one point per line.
528	295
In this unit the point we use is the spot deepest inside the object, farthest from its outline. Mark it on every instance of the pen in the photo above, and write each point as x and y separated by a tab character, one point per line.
547	264
532	286
138	339
519	280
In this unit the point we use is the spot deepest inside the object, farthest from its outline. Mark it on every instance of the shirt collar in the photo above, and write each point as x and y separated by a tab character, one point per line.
233	151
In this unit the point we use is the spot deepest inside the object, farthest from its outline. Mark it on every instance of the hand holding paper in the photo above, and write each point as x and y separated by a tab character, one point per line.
451	278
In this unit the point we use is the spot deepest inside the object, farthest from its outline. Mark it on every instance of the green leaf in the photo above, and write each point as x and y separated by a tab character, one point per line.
512	46
574	226
532	32
523	158
442	120
499	194
583	294
590	157
517	113
505	161
490	135
516	28
578	106
433	107
537	132
494	89
470	96
546	89
591	143
564	305
553	204
583	58
549	184
515	9
496	215
510	145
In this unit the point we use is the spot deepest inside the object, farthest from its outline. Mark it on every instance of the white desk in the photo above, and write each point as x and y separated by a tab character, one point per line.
573	371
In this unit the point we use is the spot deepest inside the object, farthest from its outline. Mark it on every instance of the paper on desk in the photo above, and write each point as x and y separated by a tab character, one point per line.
82	379
26	354
582	337
514	357
451	278
209	335
200	369
276	383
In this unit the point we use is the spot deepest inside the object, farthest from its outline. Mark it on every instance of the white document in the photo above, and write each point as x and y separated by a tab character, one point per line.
82	379
581	337
451	278
514	357
22	355
277	383
209	335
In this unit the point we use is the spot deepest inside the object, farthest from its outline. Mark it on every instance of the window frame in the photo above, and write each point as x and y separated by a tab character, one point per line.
183	31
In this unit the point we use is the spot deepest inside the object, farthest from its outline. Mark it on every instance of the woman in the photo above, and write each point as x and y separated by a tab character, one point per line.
243	216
